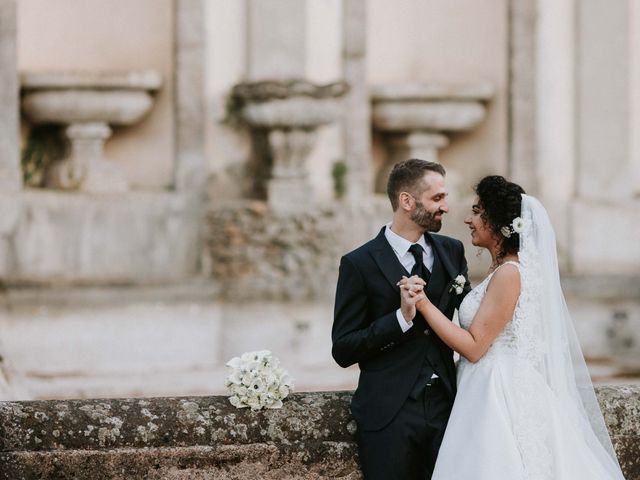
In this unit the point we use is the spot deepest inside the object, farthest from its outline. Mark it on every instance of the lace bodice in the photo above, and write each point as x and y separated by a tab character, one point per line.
507	340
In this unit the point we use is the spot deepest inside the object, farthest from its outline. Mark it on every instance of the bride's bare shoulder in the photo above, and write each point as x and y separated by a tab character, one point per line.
505	279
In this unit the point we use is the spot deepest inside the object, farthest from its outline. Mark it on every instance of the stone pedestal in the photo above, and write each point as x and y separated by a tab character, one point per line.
86	167
289	188
289	113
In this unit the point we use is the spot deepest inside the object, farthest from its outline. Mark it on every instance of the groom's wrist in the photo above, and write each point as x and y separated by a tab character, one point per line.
402	321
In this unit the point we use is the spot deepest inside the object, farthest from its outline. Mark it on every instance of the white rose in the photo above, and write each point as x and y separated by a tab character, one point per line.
283	391
235	362
518	225
458	290
236	402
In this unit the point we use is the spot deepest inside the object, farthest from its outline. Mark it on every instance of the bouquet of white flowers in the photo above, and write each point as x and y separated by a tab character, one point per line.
257	381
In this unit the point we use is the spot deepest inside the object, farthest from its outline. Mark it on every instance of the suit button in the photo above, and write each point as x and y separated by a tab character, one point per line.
427	331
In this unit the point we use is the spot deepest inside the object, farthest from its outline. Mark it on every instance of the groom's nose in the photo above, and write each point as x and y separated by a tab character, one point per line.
444	207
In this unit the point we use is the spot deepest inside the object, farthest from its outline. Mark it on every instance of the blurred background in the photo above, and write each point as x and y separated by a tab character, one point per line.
179	178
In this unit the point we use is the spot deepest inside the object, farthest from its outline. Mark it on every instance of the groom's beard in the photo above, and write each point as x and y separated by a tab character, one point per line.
426	219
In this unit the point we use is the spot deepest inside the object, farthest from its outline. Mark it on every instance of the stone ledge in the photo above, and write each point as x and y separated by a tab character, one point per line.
311	437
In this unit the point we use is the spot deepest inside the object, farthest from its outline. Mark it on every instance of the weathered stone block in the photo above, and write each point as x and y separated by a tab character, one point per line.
311	437
125	238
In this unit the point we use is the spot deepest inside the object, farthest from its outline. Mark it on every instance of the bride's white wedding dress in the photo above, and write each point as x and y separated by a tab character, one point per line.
526	409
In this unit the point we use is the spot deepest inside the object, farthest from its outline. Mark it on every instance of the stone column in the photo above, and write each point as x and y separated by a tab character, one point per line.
191	168
605	211
634	45
277	39
10	177
357	116
553	120
603	96
10	173
522	93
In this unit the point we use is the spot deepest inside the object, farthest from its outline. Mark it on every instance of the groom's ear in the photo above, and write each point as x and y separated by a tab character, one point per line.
405	201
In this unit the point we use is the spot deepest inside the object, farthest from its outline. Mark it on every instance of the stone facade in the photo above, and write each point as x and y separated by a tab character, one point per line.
560	116
311	437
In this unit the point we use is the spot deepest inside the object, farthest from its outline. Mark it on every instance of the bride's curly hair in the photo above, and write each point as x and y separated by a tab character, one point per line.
501	202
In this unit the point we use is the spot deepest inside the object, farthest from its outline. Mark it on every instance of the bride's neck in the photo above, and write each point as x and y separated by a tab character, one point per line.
497	260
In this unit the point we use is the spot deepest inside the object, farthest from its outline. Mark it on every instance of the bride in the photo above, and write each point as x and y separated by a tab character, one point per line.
525	407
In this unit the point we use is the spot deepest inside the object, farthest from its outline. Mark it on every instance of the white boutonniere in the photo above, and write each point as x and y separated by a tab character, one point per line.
457	285
257	381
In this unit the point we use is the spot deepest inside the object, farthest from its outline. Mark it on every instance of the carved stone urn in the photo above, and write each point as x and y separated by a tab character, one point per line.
415	118
288	113
88	103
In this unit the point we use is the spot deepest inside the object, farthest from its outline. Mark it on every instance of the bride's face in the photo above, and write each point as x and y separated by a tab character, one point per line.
481	234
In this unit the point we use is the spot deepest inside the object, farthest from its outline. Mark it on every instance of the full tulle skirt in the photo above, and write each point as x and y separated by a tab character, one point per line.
506	424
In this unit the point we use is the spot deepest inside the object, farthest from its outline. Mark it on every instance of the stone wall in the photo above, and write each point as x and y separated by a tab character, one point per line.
258	254
311	437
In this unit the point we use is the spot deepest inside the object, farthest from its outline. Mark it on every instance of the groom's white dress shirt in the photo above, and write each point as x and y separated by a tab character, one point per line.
400	247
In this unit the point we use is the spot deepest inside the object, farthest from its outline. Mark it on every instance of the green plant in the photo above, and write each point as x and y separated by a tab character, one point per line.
44	146
339	174
233	107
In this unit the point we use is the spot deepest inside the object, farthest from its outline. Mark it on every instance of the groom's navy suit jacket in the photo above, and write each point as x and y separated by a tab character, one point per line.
366	329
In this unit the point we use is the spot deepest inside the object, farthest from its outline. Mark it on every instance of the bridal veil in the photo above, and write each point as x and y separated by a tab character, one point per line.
549	341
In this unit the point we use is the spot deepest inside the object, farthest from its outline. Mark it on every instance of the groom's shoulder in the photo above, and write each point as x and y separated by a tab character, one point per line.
363	252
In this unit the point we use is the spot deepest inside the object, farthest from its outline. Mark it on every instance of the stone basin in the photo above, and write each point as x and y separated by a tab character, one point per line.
78	97
294	104
404	107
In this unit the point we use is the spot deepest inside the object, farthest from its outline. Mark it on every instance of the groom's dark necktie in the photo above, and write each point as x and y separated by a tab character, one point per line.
419	268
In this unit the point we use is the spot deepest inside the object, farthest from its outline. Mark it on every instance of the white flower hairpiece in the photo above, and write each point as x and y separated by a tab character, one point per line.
517	226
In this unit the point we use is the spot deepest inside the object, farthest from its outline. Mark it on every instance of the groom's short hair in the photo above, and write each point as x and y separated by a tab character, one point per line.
407	176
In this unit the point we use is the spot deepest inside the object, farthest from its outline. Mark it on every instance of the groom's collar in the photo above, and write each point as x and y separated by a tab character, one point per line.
400	244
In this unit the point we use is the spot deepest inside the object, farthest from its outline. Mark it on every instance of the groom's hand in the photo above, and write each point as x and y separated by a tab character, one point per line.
411	292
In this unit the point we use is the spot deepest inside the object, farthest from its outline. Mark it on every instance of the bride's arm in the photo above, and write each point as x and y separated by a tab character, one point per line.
494	313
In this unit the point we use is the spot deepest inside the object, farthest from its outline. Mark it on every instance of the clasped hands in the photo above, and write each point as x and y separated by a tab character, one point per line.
411	293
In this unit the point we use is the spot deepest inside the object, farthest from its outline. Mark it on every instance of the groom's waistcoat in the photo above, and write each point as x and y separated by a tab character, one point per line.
433	361
393	365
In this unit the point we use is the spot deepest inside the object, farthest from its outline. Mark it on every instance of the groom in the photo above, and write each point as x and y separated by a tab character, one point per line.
407	375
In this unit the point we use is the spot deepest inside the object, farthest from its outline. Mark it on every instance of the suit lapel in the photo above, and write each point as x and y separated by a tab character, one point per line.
387	261
444	258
